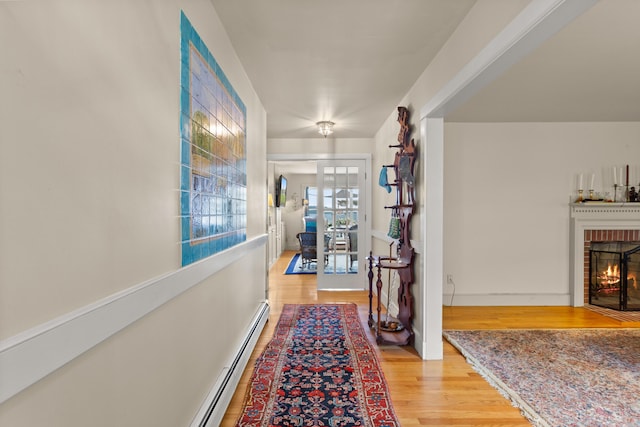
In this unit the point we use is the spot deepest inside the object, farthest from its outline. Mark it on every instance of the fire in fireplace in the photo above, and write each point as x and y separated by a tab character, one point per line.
614	268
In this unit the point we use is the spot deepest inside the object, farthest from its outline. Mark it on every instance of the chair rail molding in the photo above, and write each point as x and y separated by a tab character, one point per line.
33	354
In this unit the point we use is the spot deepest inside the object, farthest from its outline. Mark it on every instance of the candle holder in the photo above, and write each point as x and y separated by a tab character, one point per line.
580	197
626	193
615	192
607	197
591	195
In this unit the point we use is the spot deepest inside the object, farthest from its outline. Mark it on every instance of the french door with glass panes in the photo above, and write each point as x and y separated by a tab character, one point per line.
340	221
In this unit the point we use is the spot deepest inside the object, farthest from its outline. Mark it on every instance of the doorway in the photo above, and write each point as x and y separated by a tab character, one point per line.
340	187
340	217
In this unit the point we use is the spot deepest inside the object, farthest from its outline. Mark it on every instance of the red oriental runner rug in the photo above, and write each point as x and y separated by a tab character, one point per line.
318	370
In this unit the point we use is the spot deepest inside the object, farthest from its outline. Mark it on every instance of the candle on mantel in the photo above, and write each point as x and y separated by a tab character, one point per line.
580	182
593	178
627	175
615	176
620	181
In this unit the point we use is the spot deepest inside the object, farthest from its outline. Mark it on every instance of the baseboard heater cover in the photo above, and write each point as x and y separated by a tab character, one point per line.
215	405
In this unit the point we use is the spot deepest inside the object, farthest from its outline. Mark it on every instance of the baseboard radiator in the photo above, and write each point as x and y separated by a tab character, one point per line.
215	405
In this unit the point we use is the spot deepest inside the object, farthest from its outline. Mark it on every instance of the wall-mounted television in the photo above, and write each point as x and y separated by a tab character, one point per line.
281	191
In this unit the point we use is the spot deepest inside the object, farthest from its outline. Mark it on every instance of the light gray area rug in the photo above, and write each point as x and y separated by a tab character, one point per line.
568	377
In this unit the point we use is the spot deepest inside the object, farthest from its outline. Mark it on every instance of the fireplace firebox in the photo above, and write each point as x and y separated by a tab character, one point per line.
614	270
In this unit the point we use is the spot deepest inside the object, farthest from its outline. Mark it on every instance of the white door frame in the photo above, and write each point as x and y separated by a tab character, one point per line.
529	29
341	281
366	232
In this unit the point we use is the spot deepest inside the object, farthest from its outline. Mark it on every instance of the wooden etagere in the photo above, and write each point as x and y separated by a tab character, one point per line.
400	331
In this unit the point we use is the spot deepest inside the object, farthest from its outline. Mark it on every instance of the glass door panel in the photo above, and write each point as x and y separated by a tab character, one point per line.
339	212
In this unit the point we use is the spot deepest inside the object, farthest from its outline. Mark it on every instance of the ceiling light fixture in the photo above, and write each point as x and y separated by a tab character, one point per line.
325	128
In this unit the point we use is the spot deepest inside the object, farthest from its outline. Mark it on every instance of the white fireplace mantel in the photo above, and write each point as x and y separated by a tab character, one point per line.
595	216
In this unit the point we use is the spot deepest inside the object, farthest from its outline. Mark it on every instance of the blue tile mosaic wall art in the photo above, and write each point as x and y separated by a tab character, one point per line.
213	151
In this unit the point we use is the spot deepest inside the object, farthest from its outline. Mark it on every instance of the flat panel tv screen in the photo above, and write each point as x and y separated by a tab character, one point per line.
281	191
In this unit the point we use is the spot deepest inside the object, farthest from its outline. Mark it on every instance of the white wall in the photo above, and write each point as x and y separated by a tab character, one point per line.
507	190
293	212
310	149
485	19
89	207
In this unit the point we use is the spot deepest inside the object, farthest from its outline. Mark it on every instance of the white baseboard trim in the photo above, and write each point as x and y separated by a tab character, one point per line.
507	299
419	344
215	405
35	353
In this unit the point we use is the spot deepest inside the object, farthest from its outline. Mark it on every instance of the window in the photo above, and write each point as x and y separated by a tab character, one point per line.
311	194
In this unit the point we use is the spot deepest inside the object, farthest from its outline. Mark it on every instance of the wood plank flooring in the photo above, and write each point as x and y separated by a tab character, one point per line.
424	393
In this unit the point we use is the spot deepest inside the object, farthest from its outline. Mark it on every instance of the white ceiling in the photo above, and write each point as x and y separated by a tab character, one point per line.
588	71
348	61
353	61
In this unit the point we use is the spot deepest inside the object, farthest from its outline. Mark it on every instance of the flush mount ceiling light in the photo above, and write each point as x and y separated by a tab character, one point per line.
325	128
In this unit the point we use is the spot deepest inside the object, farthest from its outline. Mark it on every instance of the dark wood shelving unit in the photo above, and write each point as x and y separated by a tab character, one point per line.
402	264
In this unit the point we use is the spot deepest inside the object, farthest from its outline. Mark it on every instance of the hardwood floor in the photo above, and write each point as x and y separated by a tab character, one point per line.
424	393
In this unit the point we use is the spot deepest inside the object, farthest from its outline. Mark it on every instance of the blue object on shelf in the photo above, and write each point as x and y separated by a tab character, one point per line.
310	224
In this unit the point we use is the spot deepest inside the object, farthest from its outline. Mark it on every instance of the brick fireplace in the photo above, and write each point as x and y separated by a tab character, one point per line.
606	222
612	269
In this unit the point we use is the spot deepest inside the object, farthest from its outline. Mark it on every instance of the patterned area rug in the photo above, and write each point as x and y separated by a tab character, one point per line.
570	377
318	370
295	266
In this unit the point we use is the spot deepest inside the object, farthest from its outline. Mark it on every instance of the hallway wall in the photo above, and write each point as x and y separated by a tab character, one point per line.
498	176
485	19
89	210
507	193
293	212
